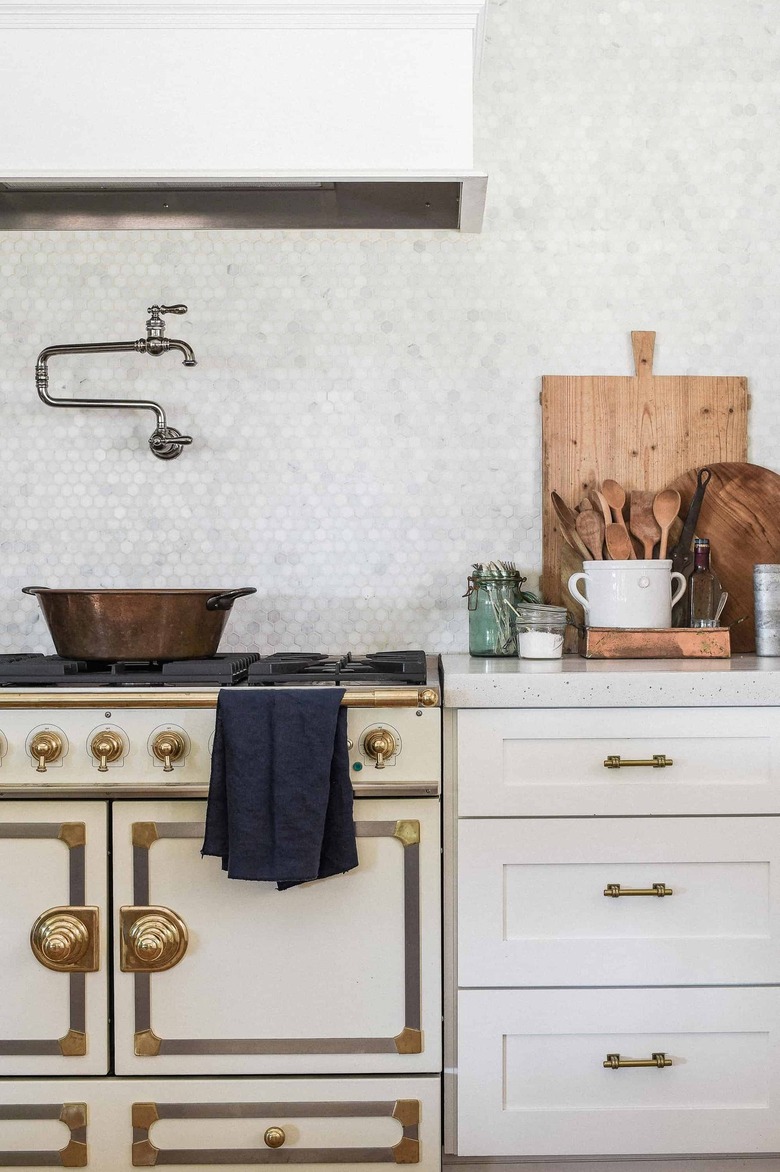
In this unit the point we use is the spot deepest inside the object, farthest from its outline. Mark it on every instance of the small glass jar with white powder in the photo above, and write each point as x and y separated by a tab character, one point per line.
540	631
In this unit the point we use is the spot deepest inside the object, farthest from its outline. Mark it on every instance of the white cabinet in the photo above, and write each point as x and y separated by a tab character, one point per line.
532	1078
604	910
54	979
120	1124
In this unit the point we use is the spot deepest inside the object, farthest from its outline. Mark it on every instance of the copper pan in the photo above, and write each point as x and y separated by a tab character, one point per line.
136	624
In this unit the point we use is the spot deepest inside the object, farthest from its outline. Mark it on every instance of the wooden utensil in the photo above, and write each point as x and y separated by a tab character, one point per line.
642	521
619	546
585	505
741	516
567	523
590	527
615	496
644	430
601	501
666	506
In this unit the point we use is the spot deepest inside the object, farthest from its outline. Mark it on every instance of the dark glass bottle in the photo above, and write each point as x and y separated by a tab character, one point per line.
704	589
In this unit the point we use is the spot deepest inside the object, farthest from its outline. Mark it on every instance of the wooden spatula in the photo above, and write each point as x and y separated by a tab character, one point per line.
642	520
666	506
590	527
567	524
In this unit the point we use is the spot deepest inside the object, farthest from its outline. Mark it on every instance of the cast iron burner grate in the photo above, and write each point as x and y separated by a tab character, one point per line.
49	671
380	670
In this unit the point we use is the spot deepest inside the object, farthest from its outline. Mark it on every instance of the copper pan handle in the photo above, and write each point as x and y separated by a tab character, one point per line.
226	600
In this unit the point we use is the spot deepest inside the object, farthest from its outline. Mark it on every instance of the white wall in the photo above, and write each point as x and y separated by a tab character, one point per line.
365	411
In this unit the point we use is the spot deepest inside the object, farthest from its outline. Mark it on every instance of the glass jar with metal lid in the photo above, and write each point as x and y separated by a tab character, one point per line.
540	631
494	590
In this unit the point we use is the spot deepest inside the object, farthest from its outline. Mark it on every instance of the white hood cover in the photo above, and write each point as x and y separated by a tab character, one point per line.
239	113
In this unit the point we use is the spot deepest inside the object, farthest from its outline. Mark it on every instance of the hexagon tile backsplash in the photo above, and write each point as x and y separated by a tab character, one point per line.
365	408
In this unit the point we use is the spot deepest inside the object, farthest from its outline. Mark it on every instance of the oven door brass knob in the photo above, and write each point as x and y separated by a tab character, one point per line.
379	744
46	748
107	747
153	939
168	747
274	1137
65	939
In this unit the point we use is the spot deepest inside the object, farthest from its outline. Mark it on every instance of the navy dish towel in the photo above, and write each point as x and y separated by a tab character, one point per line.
280	796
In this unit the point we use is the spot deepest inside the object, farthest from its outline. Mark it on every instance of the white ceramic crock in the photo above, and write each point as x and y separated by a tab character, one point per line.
628	594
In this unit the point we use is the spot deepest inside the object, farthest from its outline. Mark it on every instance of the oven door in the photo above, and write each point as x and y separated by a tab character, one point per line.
53	924
216	976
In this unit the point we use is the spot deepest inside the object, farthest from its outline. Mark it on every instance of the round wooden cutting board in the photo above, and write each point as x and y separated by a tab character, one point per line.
741	516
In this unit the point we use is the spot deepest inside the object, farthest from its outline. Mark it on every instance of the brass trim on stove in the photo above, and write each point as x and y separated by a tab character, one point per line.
408	1041
146	1154
73	1155
152	939
66	939
73	1044
116	698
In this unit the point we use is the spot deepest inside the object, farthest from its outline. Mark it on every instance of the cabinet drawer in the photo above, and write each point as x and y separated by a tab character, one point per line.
725	761
532	909
532	1081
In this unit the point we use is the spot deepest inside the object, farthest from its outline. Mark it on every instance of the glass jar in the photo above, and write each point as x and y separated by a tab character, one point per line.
540	631
492	596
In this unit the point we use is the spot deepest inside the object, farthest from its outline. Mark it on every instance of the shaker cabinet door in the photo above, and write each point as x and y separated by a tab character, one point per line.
554	762
219	976
53	924
618	901
573	1072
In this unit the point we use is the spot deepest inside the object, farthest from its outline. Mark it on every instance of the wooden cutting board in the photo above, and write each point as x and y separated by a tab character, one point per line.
741	516
643	431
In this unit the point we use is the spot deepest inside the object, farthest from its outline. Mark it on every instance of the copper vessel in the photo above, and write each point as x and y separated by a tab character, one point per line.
136	624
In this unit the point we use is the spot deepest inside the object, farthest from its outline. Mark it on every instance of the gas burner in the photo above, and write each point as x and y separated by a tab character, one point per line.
383	669
54	671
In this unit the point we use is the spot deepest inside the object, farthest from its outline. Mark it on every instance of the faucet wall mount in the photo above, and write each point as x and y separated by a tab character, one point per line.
165	441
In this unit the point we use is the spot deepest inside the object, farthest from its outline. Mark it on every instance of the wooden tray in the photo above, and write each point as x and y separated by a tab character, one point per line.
652	643
741	516
643	431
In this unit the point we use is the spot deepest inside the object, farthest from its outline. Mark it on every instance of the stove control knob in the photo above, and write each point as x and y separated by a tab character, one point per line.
169	747
107	746
46	748
379	744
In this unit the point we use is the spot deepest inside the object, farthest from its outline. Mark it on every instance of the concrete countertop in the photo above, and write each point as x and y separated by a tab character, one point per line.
572	682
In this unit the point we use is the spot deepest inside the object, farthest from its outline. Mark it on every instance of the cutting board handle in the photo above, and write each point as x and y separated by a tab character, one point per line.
643	343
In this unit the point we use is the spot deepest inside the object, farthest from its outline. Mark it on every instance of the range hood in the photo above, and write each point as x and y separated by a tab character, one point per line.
239	114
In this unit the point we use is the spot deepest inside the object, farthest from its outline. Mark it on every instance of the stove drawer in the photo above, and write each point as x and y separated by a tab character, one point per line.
120	1124
532	1079
532	908
552	762
54	925
340	976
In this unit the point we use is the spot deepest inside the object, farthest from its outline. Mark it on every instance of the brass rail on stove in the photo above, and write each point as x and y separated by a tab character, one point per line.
181	698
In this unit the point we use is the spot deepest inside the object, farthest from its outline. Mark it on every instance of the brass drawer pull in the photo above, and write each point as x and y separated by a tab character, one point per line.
657	761
615	1062
659	889
274	1137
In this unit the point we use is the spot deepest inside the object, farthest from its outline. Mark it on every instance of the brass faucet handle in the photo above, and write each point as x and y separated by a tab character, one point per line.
108	747
379	744
168	747
46	748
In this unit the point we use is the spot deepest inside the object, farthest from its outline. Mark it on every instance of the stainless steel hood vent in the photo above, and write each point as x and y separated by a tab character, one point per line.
87	206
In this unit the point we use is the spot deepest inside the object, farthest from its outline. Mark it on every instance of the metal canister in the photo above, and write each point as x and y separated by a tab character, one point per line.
766	592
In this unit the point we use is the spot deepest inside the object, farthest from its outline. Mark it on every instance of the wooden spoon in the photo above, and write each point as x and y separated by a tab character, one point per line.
666	506
590	527
642	520
618	541
567	523
601	501
585	505
615	496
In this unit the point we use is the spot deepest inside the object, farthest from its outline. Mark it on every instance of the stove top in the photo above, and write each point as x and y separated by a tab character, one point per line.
383	669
